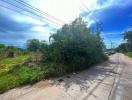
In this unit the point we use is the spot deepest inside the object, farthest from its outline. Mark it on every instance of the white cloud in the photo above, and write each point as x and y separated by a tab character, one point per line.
93	7
65	10
41	33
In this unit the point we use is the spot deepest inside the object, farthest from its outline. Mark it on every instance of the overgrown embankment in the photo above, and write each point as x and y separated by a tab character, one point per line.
72	48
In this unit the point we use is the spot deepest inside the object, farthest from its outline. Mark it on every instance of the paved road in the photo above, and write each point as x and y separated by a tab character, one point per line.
111	80
123	85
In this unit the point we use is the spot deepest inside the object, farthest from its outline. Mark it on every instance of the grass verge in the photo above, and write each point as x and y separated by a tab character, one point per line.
13	73
9	64
129	54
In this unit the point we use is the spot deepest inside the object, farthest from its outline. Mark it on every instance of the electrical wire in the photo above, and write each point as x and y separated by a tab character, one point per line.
39	11
41	18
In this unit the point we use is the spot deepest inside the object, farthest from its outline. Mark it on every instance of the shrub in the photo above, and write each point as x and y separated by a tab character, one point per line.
53	70
27	75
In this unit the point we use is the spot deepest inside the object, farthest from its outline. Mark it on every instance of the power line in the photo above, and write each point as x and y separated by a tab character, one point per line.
27	10
39	11
38	16
85	7
88	11
14	10
21	13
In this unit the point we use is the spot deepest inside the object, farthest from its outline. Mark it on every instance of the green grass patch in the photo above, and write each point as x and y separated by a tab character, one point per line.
14	72
129	54
7	82
28	75
22	76
8	64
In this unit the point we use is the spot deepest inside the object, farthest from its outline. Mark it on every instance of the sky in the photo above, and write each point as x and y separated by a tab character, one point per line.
20	22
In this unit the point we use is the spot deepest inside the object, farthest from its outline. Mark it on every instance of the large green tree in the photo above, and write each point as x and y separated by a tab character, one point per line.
73	47
76	46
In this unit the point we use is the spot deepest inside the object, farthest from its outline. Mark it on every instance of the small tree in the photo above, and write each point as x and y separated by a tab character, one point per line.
33	45
128	36
126	47
2	46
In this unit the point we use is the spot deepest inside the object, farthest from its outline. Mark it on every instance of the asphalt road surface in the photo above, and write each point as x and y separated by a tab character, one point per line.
111	80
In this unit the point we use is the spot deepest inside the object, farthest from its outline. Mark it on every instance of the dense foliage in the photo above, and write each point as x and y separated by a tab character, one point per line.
74	47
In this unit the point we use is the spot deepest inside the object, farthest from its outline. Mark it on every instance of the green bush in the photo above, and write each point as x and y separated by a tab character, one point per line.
54	69
27	75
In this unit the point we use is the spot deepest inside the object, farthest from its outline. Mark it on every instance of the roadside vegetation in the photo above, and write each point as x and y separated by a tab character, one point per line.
129	54
14	72
126	47
72	48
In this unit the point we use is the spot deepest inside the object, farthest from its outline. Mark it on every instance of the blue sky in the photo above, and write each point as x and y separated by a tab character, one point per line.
17	25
